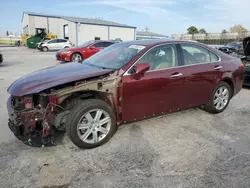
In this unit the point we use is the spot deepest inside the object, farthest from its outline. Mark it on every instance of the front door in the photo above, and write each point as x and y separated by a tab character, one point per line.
159	90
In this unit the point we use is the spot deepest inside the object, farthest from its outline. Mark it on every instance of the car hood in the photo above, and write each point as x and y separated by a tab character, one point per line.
54	76
246	46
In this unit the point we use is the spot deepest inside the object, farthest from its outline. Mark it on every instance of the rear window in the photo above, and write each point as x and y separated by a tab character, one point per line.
194	54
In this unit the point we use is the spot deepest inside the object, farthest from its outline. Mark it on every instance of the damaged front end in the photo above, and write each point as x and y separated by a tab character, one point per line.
30	119
35	118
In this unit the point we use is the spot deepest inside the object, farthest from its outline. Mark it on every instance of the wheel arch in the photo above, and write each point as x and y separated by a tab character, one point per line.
75	53
91	94
230	82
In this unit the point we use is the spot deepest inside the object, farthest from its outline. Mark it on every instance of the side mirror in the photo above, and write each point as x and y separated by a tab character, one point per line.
142	68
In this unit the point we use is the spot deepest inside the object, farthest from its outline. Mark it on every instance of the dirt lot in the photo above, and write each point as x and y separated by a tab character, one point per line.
191	148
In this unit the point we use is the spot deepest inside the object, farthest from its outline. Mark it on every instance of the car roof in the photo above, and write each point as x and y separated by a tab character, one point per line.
153	42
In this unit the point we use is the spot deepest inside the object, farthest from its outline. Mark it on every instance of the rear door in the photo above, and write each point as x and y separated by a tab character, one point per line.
201	70
60	44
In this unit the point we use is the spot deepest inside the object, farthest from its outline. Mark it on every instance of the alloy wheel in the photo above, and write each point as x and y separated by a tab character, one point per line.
221	98
94	126
77	57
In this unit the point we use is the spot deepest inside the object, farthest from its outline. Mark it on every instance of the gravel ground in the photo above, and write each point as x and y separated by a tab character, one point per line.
190	148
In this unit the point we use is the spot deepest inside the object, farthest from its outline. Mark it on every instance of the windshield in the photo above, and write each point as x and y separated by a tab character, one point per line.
114	56
86	43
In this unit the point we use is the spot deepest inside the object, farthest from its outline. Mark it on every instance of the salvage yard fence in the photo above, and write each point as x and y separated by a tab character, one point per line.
9	40
213	38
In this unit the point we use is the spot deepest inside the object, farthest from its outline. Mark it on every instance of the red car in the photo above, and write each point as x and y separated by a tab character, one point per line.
83	51
129	81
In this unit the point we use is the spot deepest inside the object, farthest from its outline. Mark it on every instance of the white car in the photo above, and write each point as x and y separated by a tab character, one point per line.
53	44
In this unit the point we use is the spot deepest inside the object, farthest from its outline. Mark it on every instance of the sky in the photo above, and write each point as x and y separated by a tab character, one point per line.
160	16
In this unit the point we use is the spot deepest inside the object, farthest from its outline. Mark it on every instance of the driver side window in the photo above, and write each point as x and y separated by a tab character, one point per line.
161	57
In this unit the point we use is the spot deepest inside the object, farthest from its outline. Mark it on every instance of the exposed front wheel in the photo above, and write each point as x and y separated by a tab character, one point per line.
76	57
91	123
220	98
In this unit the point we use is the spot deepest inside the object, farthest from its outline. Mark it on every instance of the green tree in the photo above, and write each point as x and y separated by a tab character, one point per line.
223	31
192	30
202	31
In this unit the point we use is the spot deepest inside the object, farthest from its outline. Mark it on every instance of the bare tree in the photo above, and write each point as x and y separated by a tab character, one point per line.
238	29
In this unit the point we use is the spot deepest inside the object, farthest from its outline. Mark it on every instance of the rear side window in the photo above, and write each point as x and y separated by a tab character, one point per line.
214	58
197	55
99	45
106	44
53	41
61	40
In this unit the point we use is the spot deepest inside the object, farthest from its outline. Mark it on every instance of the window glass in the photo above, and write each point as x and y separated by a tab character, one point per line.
53	41
214	58
161	57
99	45
106	44
194	54
115	56
61	40
86	43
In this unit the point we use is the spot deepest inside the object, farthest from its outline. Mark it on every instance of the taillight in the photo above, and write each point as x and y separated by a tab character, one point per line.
242	66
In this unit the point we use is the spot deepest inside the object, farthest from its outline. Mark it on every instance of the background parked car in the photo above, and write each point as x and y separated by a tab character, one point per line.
246	61
233	48
53	44
83	51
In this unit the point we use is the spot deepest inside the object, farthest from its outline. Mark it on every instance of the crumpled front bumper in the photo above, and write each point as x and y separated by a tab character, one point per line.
25	131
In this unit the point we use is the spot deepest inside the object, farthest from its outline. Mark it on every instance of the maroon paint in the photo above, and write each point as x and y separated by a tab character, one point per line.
156	92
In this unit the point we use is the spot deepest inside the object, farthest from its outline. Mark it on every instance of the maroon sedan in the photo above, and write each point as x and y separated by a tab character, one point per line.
126	82
83	51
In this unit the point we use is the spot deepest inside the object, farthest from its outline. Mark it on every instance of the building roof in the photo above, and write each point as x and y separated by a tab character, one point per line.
148	33
82	20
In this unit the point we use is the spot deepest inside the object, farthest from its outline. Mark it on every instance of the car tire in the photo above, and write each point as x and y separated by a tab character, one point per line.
66	47
85	129
45	49
220	98
76	57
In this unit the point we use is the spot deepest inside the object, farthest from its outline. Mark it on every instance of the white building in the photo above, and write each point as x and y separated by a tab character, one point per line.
140	35
77	30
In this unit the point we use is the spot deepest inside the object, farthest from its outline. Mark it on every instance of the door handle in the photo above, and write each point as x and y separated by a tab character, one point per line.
176	75
217	67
